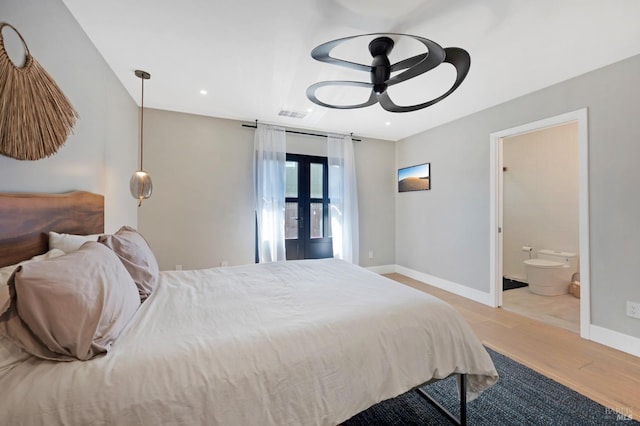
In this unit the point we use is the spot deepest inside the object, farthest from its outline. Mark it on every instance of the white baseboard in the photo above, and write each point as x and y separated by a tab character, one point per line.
614	339
460	290
382	269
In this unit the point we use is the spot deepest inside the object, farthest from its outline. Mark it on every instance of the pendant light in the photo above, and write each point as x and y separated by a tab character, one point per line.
140	183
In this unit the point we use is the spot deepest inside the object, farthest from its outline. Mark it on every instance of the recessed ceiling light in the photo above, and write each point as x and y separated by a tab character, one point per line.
388	123
203	92
309	110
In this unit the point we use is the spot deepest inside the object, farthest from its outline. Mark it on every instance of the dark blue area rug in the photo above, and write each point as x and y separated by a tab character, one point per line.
521	397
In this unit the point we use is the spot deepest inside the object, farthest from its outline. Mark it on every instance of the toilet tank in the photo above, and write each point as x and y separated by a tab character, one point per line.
565	257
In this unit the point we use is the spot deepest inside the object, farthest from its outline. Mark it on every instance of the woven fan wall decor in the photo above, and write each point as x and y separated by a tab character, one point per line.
35	116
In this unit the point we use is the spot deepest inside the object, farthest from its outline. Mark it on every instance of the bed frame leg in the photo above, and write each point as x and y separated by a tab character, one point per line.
463	399
460	421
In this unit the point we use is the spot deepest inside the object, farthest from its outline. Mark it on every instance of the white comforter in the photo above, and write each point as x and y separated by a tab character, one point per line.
294	343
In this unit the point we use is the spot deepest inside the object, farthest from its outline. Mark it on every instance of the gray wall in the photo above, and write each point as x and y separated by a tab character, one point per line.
201	211
445	232
102	153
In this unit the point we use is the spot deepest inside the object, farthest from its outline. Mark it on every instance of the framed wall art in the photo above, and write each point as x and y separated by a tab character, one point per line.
414	178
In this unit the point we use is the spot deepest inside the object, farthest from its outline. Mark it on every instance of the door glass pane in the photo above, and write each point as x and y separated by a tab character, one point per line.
316	220
291	221
316	180
291	189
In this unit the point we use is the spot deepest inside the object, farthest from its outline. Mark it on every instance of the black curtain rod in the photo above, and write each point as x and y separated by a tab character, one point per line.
255	126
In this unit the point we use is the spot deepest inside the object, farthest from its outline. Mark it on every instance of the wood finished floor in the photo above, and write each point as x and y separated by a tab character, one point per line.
607	376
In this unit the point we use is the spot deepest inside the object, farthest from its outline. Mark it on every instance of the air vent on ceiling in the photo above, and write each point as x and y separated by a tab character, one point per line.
292	114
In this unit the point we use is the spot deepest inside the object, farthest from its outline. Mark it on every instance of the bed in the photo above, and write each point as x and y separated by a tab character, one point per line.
309	342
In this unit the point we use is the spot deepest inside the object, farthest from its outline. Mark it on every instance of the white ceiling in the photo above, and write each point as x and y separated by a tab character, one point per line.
253	56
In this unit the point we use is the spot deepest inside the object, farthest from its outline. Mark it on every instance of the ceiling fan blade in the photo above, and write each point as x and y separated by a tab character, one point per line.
457	57
407	63
435	56
322	53
387	104
311	93
460	59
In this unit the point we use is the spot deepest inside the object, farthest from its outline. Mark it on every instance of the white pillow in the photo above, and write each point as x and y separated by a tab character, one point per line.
6	271
69	243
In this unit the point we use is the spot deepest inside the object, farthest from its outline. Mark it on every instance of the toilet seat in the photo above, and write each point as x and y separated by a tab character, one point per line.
549	274
544	263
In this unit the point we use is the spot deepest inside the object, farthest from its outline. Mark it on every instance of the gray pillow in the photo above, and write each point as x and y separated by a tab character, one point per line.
7	271
70	307
136	255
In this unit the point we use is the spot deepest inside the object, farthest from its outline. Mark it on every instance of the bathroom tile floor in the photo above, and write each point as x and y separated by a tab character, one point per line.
560	311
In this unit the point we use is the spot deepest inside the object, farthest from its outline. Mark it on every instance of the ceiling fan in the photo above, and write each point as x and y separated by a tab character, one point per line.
381	69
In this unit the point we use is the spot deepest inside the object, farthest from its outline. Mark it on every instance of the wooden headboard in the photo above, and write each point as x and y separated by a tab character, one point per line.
25	220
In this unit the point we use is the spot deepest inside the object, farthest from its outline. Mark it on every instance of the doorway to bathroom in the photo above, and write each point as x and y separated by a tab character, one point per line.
540	212
539	201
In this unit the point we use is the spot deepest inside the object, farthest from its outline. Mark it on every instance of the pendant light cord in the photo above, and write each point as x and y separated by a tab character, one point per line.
142	126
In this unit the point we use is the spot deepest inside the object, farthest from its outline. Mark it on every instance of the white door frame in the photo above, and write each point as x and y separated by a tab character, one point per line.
496	207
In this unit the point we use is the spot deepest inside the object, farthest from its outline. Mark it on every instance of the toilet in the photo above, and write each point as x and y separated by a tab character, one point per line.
549	274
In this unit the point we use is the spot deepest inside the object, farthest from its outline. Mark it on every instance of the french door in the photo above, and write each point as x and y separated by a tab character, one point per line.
307	231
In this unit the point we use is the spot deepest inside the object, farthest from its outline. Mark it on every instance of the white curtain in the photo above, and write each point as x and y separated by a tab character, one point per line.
269	189
343	198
